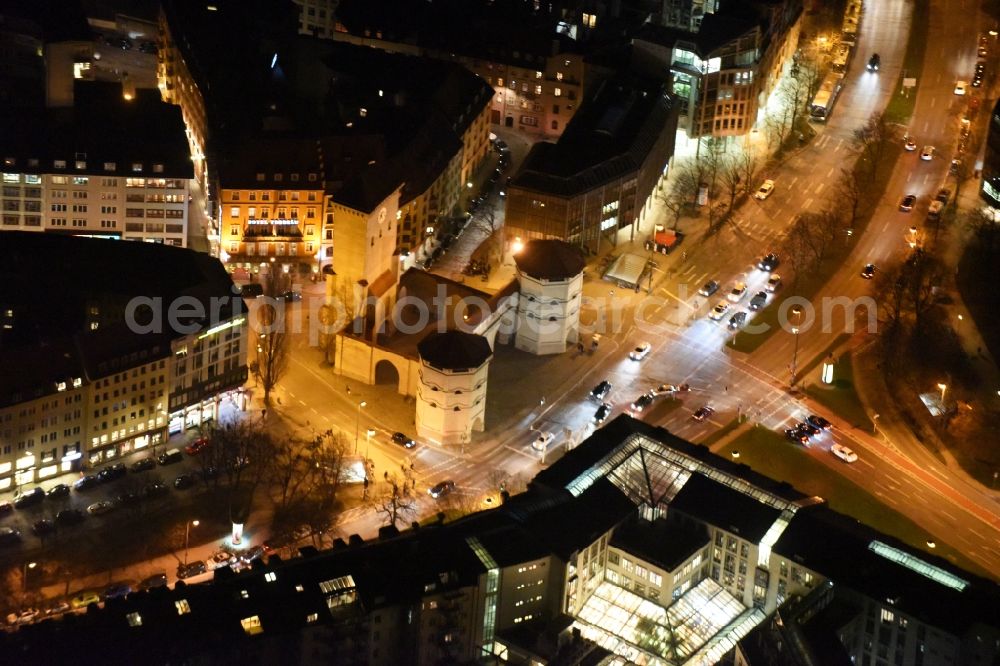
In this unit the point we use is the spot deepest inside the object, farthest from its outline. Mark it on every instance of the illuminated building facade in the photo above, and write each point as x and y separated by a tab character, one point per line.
990	189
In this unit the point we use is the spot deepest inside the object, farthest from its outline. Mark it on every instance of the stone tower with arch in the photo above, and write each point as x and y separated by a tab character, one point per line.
451	387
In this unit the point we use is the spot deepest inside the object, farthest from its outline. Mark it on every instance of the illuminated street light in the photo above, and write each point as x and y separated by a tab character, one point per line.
357	425
187	537
516	246
797	311
368	441
24	576
943	387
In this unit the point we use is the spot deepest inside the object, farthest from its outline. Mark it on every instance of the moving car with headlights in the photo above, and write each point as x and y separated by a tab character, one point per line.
441	489
403	440
768	262
773	283
709	288
868	272
641	351
759	300
796	436
542	441
602	413
960	87
601	391
719	311
642	402
927	153
738	291
764	191
702	413
819	422
844	453
874	62
907	202
909	143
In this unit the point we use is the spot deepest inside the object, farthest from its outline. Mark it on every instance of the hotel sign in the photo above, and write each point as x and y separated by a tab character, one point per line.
285	223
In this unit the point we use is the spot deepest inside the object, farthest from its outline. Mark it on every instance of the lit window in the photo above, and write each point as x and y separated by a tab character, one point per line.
538	75
244	594
134	620
557	92
538	90
270	576
136	166
312	617
252	625
299	588
499	82
888	615
81	164
559	76
183	607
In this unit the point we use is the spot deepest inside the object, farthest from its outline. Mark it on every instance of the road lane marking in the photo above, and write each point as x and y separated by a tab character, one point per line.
819	188
830	172
807	203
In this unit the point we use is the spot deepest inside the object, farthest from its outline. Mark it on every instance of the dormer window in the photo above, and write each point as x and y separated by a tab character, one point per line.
81	164
260	177
110	166
59	164
157	168
137	167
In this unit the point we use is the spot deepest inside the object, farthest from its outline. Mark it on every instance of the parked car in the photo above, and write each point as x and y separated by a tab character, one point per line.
171	457
809	429
844	453
195	568
184	481
84	599
57	491
9	536
702	413
602	412
773	283
641	351
154	581
542	441
868	272
86	482
222	558
764	191
68	517
737	293
43	527
601	391
111	473
441	489
197	446
943	195
819	422
101	508
403	440
768	262
142	465
738	320
117	591
759	300
709	288
155	490
719	311
29	498
128	499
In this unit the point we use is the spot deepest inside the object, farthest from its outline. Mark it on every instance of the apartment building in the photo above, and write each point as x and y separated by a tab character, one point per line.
109	167
724	62
595	185
114	369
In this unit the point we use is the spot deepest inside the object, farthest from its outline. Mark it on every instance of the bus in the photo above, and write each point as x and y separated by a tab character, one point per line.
822	104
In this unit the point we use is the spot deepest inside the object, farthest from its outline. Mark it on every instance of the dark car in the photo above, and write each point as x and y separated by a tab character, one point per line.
142	465
808	429
5	508
190	569
9	536
601	391
118	591
403	440
109	474
602	413
819	422
128	499
441	489
69	517
43	527
874	62
868	272
642	402
29	498
738	320
768	262
906	203
150	582
702	413
184	481
943	195
155	490
709	288
759	300
86	482
797	436
57	491
170	457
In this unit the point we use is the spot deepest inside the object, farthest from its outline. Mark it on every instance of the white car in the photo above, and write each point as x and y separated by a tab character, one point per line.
910	143
220	559
844	453
640	352
719	311
101	508
960	87
542	441
927	153
765	190
738	292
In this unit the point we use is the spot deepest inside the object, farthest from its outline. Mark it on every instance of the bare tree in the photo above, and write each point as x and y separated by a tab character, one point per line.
485	220
874	139
795	94
798	247
961	171
776	128
850	195
748	166
394	501
731	175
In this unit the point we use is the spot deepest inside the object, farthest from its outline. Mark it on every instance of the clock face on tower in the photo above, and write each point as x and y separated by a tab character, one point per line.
381	215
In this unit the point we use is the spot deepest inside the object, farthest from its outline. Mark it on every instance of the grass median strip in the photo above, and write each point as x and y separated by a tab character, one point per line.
900	107
767	452
841	398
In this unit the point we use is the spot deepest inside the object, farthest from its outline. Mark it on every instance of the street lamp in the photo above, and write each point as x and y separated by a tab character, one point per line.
24	576
357	425
943	387
187	537
368	441
797	311
875	423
